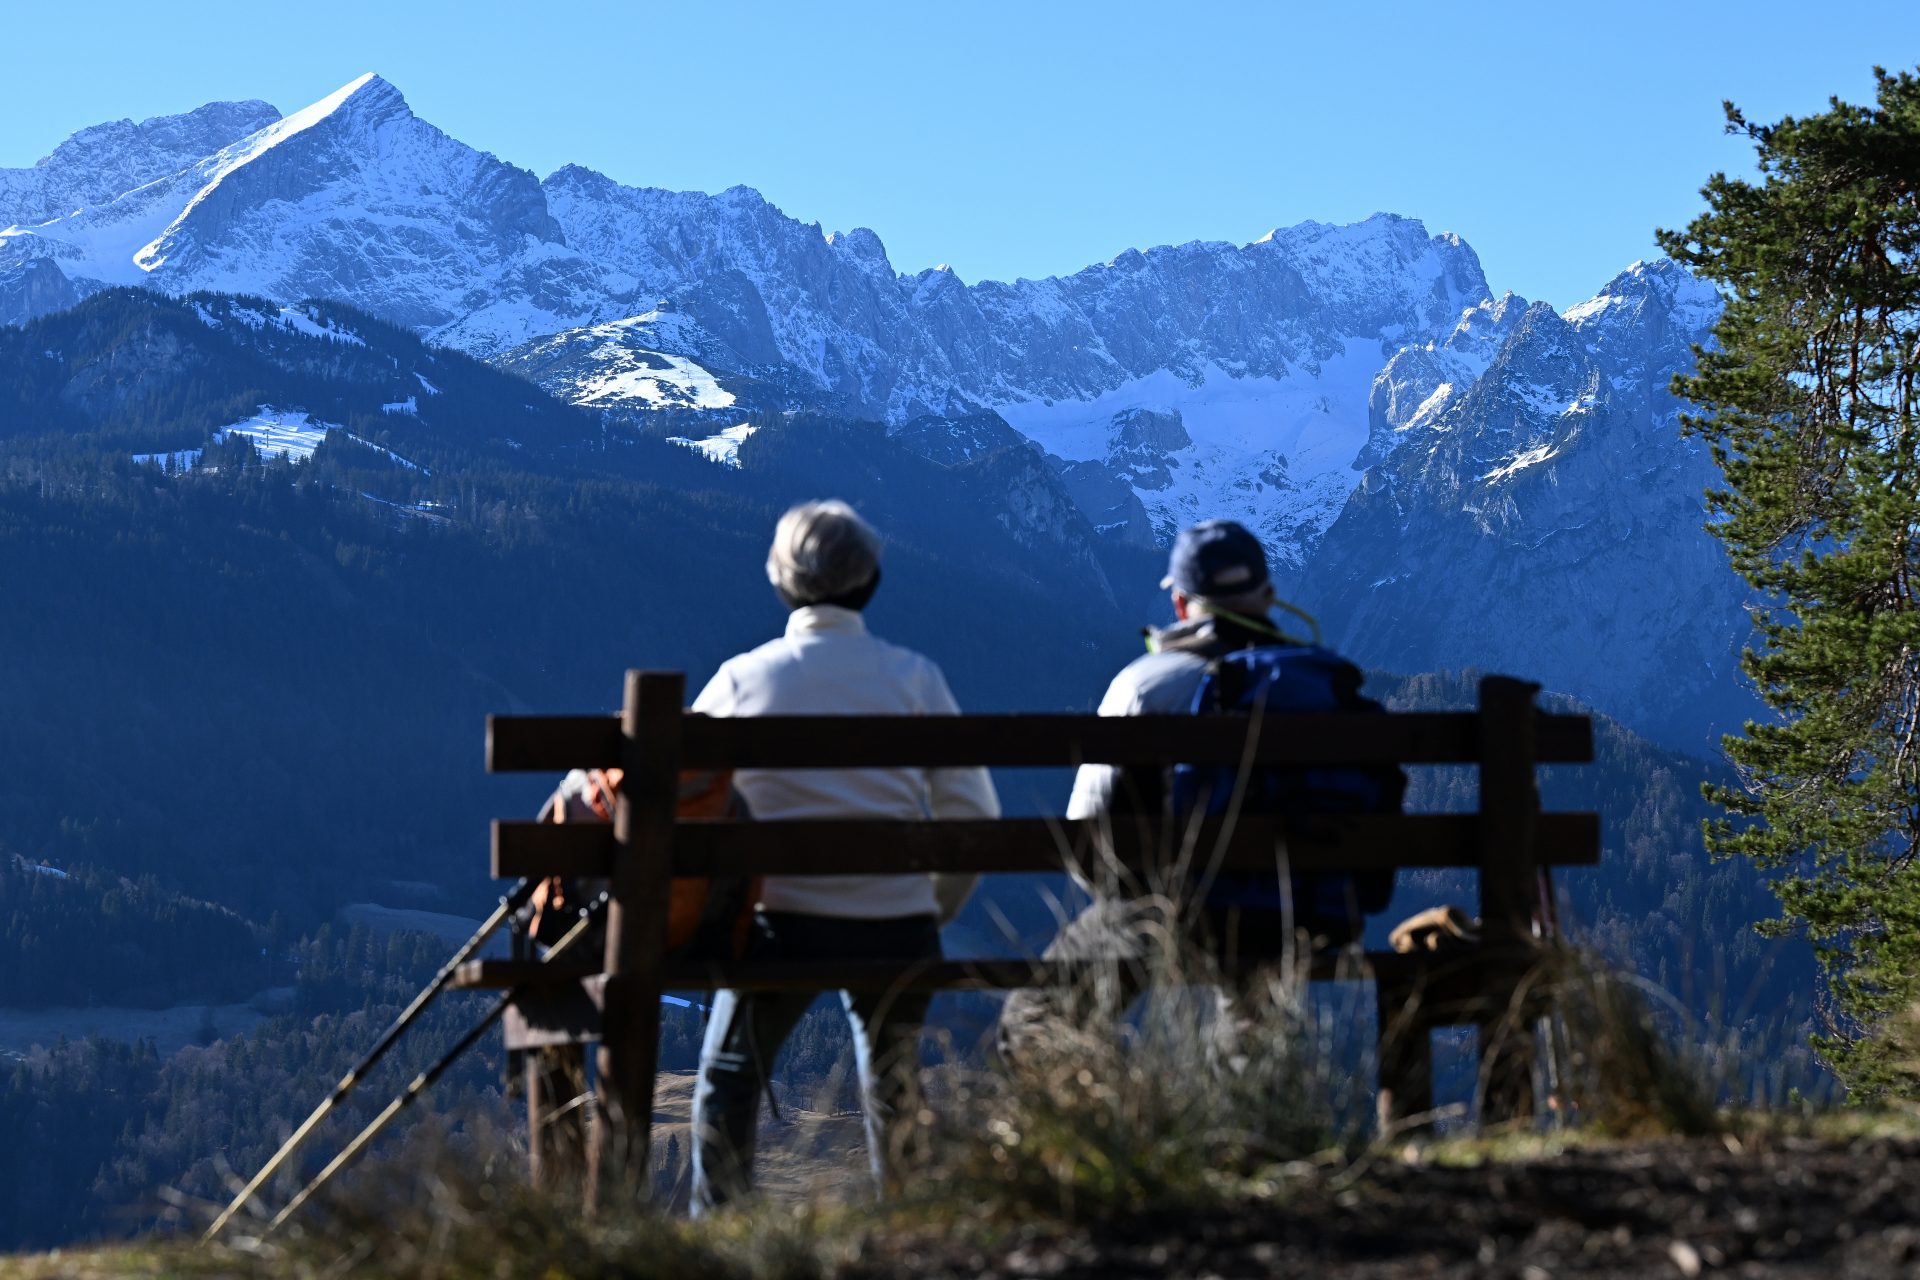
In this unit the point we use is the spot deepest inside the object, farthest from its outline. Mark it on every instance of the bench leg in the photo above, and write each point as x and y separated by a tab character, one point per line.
556	1082
1507	1056
1406	1058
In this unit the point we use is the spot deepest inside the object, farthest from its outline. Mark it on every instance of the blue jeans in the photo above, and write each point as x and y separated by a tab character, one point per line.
746	1029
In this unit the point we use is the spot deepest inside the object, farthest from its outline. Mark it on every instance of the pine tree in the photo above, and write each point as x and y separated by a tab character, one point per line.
1808	403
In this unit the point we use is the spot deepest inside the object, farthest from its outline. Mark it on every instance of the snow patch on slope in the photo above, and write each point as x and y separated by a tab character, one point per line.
281	433
655	378
1275	453
301	320
722	447
1522	460
634	363
277	433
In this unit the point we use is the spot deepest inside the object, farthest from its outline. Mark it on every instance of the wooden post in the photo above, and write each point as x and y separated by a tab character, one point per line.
637	930
1509	809
1405	1056
556	1081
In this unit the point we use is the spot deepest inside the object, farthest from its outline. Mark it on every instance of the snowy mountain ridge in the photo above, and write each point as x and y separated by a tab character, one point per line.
1428	463
107	160
354	198
1547	517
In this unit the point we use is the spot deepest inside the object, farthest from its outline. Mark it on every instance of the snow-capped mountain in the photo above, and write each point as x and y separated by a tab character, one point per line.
353	198
1518	465
1545	516
97	164
1256	361
1256	358
1167	384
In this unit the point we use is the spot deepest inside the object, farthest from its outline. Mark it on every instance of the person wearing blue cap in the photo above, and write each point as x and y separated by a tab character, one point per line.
1223	601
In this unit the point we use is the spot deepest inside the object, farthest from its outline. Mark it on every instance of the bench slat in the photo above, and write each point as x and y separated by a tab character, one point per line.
557	743
500	975
837	847
552	849
944	975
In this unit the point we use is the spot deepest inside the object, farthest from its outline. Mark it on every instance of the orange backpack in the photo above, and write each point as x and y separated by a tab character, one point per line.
707	918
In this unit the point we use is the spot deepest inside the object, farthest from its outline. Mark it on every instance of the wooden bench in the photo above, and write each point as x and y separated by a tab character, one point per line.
614	1000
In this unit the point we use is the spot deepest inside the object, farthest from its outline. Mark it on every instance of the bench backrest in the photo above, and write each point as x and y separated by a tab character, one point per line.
1507	839
655	738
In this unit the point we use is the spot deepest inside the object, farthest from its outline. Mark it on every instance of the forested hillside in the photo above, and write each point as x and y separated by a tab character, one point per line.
302	654
88	936
95	1130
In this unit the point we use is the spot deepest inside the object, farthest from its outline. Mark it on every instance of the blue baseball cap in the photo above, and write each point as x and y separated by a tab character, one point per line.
1216	559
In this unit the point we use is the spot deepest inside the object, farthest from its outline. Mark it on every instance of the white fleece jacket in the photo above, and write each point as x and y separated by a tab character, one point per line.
828	664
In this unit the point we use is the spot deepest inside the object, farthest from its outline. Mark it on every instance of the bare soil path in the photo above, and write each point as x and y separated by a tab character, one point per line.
1785	1207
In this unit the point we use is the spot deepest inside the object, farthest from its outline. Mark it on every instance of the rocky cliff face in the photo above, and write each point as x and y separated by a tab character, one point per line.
36	288
95	165
1546	519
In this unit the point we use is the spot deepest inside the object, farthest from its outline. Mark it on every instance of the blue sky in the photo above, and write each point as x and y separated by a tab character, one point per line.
1011	139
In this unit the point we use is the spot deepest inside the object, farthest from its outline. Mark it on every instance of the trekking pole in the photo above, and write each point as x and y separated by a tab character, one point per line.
424	1081
514	900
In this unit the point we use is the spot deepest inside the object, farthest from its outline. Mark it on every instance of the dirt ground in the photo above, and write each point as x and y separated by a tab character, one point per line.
1821	1210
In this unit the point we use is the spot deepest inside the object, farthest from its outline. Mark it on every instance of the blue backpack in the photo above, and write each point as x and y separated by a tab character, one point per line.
1279	679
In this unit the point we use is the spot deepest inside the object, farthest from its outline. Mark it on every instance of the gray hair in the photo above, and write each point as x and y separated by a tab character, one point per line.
822	551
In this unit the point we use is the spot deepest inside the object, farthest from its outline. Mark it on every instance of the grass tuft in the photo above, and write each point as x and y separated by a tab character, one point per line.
1173	1105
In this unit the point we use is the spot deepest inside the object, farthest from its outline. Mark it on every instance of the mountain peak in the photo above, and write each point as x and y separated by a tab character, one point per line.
1693	303
578	175
861	243
1370	227
368	98
365	93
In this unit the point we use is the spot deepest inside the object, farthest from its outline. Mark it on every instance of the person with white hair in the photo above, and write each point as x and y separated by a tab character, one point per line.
825	566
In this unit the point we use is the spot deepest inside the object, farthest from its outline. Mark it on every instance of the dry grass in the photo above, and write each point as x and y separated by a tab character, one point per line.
1171	1105
448	1209
1613	1065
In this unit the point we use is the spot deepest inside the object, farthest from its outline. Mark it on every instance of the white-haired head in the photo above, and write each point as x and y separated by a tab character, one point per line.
824	553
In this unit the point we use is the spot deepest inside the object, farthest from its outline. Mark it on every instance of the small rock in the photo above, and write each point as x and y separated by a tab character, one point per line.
1685	1257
